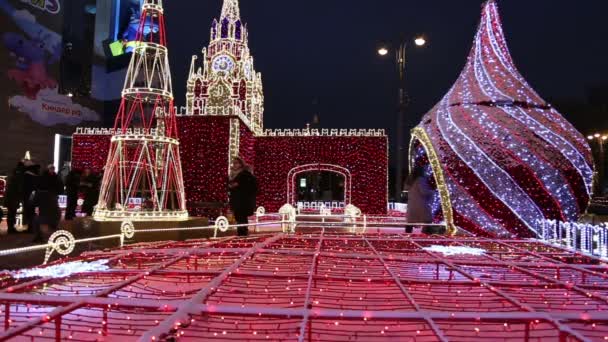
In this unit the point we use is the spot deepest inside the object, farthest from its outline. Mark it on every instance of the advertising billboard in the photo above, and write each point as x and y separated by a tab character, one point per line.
32	107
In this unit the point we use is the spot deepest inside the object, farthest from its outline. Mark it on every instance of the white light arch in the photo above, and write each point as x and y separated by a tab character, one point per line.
293	173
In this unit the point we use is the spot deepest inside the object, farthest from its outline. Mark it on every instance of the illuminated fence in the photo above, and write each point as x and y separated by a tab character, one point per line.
320	205
585	238
286	220
395	206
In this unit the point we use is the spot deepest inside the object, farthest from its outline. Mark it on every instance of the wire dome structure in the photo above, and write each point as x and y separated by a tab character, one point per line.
320	286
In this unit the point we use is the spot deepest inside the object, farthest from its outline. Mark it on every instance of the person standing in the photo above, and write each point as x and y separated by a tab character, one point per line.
420	197
88	184
72	184
65	171
53	179
46	200
30	184
14	196
243	189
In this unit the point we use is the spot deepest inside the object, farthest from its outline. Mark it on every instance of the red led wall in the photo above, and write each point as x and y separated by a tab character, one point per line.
364	157
90	151
204	153
247	145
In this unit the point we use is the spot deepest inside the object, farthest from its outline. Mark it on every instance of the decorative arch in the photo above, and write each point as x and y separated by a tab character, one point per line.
293	174
420	135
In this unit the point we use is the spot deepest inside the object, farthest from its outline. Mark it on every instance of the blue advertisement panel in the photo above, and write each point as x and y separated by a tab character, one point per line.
32	107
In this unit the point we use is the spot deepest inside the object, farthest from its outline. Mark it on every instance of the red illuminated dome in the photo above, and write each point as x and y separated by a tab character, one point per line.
502	158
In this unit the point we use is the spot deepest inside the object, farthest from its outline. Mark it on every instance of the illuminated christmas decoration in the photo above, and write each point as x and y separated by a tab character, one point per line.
227	83
323	286
502	158
455	250
143	159
581	237
90	150
364	156
62	270
223	119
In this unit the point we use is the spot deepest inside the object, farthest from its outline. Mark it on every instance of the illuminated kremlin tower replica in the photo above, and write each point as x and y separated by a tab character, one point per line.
143	158
227	83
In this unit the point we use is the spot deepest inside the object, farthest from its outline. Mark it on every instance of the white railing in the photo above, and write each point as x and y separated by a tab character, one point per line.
320	205
400	207
202	109
585	238
112	131
325	132
63	242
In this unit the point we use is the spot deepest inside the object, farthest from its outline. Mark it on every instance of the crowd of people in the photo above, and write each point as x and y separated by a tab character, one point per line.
36	191
33	193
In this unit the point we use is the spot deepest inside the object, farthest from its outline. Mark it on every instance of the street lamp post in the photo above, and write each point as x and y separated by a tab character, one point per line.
403	102
601	140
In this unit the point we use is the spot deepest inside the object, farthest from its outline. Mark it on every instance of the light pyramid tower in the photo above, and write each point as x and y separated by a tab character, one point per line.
501	158
143	175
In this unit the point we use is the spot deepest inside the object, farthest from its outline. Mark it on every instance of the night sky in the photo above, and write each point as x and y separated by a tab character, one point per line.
326	50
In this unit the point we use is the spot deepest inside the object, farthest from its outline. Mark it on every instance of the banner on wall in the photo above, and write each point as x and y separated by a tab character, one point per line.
33	110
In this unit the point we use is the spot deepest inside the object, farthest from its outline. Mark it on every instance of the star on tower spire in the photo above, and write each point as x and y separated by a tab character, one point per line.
230	10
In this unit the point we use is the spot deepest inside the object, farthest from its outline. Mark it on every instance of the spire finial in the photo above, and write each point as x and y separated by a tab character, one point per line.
231	10
155	4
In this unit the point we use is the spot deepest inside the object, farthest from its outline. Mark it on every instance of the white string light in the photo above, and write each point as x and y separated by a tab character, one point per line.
62	270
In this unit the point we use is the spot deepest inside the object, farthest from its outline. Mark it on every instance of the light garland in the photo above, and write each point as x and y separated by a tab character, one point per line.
586	238
234	142
420	135
455	250
508	159
62	270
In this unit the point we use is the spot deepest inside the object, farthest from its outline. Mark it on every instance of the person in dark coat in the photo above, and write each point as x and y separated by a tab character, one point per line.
46	200
89	186
30	184
13	196
420	198
243	190
52	178
72	185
